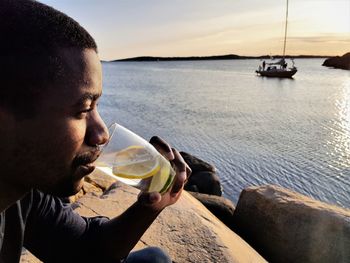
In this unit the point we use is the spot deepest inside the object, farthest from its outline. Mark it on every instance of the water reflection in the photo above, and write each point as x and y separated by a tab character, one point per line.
340	153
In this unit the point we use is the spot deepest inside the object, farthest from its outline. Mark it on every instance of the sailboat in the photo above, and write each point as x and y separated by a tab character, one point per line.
280	68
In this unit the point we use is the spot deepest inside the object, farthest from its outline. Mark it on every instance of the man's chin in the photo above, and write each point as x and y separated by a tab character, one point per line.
69	185
66	189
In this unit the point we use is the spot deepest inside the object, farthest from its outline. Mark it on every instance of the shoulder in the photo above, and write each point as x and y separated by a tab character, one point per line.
46	207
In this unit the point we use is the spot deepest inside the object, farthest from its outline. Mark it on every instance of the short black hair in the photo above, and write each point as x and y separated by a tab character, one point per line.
31	36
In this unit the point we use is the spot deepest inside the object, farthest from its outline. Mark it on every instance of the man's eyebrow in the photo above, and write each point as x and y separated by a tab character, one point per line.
87	96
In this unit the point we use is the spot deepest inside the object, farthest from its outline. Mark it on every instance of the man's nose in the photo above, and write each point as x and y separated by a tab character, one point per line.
97	133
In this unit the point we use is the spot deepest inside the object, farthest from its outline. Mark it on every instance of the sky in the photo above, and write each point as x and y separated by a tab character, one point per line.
169	28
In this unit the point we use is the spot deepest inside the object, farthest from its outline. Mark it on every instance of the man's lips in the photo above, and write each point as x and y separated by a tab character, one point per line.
83	170
87	167
85	163
86	158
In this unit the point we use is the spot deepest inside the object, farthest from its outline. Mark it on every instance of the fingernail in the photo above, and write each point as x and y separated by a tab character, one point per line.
183	176
170	156
168	150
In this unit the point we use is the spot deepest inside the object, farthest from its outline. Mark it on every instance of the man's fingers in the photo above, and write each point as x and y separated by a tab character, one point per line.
188	172
179	160
181	169
162	146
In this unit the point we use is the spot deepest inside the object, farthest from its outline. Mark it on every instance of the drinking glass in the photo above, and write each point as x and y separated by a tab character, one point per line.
133	160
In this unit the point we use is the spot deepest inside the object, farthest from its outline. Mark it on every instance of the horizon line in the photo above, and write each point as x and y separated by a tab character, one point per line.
234	56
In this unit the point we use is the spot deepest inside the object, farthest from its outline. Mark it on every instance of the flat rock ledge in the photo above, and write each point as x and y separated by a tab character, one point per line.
187	230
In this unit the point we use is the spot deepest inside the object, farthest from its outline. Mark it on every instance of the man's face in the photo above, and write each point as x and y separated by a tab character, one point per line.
54	150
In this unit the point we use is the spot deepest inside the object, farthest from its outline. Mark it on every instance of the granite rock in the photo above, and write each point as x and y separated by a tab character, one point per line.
285	226
186	230
204	178
221	207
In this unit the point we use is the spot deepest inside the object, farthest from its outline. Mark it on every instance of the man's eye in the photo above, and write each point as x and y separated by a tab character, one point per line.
87	110
83	113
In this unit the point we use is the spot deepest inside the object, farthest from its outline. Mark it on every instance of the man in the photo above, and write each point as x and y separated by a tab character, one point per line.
50	82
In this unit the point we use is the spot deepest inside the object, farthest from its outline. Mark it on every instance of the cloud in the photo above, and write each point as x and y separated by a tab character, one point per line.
331	38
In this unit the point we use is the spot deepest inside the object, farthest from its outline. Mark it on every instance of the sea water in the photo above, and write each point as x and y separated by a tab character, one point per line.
289	132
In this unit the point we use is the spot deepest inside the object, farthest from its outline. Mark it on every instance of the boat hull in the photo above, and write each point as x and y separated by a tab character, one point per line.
277	73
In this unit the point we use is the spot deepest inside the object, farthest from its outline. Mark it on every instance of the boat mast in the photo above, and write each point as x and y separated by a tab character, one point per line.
285	32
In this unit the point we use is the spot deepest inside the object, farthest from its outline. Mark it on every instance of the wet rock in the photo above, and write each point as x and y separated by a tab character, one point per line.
204	178
221	207
196	164
204	182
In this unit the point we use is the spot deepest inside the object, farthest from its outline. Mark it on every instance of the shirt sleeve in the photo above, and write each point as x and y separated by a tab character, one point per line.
54	232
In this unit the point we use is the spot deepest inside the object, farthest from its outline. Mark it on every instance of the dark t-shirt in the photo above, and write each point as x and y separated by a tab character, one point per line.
49	229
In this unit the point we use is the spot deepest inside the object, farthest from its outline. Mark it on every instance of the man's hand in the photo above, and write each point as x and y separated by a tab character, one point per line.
119	235
156	201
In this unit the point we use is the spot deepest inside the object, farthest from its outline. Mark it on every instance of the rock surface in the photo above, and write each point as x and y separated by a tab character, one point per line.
221	207
196	164
342	62
204	178
285	226
186	230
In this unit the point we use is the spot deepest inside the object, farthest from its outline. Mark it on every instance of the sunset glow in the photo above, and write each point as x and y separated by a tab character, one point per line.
207	27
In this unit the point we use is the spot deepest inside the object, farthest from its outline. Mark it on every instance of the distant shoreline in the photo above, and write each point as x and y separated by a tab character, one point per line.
195	58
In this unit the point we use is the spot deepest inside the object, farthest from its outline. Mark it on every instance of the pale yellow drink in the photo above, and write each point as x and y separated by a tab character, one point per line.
142	168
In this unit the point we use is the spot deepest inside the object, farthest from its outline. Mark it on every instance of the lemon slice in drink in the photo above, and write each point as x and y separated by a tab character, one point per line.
135	162
163	179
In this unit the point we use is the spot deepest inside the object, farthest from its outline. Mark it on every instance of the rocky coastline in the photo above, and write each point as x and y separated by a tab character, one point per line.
340	62
269	223
201	58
